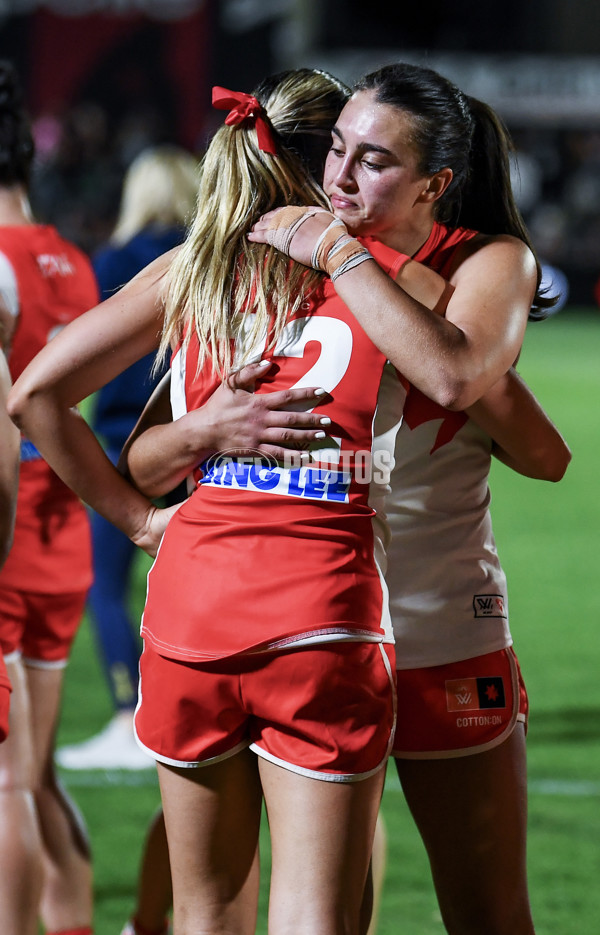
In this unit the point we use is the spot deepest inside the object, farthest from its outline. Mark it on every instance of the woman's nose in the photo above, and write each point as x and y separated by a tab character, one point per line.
344	176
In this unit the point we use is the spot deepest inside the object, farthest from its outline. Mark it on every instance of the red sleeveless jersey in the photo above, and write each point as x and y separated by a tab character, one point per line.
264	555
51	550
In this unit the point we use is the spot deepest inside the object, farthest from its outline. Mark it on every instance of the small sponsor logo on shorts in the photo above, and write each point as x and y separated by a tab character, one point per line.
475	694
489	605
479	720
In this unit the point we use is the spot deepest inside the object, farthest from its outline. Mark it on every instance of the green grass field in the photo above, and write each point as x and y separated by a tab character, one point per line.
548	537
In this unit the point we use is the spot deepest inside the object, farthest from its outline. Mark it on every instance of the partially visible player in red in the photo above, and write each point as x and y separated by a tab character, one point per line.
45	282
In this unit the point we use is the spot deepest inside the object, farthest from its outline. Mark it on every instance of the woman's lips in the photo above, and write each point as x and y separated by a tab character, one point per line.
338	201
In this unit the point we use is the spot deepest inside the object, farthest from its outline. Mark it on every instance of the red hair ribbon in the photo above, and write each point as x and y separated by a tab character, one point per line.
244	107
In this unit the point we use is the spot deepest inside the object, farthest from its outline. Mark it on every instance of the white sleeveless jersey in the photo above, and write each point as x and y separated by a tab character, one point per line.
447	588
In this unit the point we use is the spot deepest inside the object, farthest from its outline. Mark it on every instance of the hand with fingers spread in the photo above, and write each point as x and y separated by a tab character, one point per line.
272	423
160	453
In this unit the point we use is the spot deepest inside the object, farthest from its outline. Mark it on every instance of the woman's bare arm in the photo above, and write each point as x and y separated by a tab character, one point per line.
86	354
453	359
160	453
525	438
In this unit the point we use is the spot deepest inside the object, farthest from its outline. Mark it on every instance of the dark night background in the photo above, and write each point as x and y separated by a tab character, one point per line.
104	78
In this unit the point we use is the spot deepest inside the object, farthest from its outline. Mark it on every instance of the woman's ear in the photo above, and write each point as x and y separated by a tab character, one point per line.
437	185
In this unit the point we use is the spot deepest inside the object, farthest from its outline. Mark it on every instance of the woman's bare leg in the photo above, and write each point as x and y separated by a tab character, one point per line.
155	893
369	910
321	840
67	892
472	815
20	841
212	817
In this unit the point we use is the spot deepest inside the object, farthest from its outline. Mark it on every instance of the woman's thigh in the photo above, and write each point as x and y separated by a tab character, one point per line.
471	812
212	817
321	840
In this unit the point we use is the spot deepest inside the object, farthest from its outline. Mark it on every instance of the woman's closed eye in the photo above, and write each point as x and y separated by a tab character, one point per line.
375	166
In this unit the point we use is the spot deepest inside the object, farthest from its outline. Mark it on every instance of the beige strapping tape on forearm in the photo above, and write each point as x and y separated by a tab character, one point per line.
285	224
335	231
345	256
335	251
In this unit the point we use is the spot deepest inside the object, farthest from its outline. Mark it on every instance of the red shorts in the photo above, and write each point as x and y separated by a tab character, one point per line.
325	711
41	627
5	689
458	709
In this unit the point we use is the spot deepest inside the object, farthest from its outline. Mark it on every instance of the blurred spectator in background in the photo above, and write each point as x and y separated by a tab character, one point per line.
548	227
158	196
557	184
77	176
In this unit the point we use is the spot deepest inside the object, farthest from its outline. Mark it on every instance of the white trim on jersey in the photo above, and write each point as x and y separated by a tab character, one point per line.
9	289
177	387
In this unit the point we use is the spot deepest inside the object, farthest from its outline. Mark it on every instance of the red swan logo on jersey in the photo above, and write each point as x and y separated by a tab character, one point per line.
420	409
